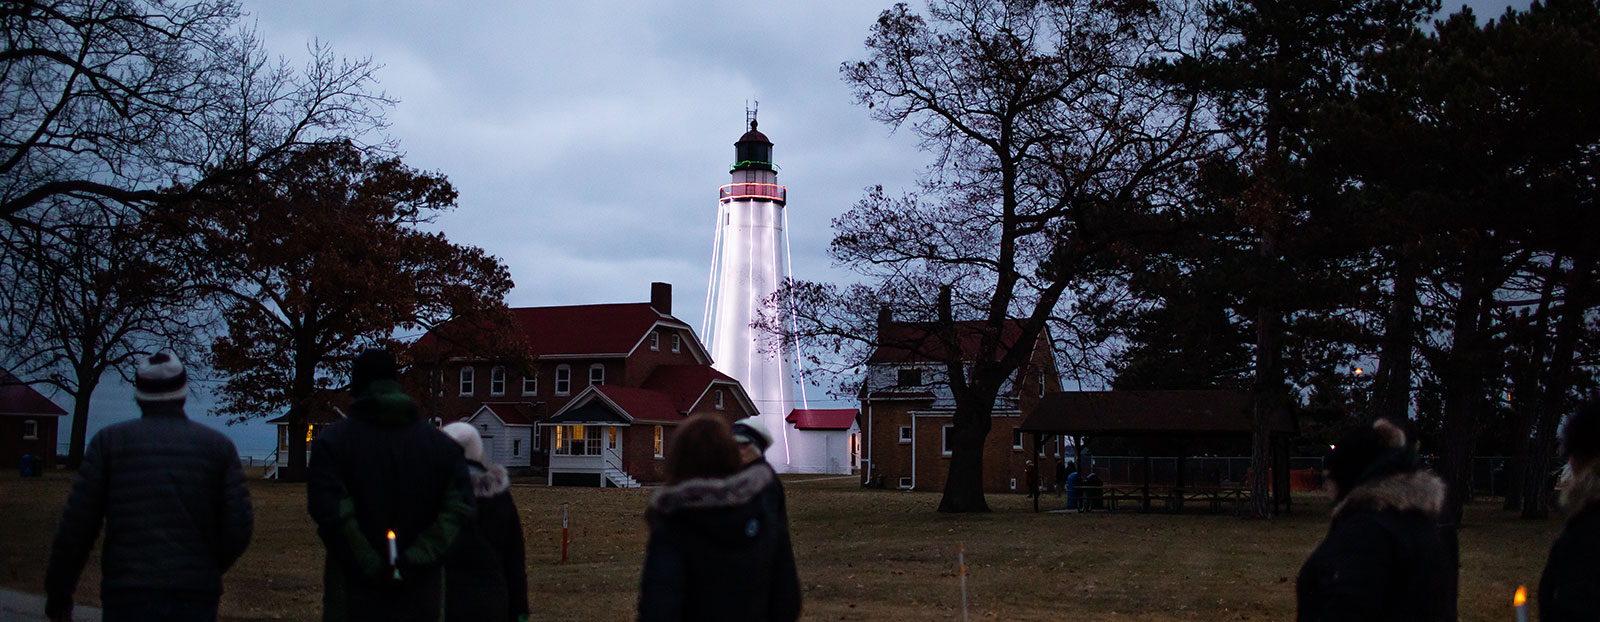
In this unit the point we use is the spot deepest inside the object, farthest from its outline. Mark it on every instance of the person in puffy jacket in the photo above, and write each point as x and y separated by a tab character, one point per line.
486	577
1569	588
175	507
717	546
1384	557
383	469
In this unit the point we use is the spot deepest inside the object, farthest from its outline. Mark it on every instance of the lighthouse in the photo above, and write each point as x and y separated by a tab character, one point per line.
750	260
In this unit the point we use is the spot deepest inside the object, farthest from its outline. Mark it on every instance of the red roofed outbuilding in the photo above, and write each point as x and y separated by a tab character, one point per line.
28	422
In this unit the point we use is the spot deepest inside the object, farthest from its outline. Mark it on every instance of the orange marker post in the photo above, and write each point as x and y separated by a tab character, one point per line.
961	568
563	533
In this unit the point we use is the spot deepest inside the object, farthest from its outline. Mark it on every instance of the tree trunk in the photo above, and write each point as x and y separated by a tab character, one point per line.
302	391
963	484
1526	400
80	419
1394	362
1537	497
1463	381
1265	399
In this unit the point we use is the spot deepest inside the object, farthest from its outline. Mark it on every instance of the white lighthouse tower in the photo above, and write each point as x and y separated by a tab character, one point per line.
750	260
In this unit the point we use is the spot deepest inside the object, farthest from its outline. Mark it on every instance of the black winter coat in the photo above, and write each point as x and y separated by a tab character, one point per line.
719	550
381	469
1383	559
1569	589
175	506
486	576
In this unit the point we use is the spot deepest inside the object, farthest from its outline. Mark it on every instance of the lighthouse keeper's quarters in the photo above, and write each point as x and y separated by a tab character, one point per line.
908	409
28	422
603	389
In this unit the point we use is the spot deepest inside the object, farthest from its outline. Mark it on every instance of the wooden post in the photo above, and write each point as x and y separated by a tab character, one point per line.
563	533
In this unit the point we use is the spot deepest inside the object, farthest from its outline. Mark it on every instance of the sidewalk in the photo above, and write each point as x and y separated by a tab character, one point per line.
24	607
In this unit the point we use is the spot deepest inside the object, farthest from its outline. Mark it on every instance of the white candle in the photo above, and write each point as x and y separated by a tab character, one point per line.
393	555
1521	601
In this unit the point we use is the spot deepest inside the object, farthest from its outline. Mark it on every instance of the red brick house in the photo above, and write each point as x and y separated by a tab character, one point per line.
597	402
28	422
907	409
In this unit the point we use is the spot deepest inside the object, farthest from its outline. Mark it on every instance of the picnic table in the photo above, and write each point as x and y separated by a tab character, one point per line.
1173	498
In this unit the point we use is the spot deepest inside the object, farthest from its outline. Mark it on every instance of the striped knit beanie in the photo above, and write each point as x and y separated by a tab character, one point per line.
160	378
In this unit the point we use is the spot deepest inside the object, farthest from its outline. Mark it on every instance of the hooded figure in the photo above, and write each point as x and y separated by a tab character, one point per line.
384	470
719	546
1384	557
1569	589
486	579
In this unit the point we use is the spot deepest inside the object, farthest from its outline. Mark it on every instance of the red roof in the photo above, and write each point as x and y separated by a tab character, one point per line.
642	403
579	330
512	413
685	383
917	342
822	418
17	398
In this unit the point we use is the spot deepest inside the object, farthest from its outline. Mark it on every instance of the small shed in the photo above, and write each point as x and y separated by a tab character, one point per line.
838	437
1164	414
507	430
28	422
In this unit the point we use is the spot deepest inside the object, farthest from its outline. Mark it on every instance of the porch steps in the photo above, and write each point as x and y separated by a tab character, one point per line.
619	478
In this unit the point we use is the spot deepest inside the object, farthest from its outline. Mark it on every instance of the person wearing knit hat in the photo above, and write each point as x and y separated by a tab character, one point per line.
486	577
172	498
1569	588
752	438
385	470
1384	557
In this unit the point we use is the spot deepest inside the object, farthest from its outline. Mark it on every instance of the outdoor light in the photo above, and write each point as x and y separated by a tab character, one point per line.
1359	371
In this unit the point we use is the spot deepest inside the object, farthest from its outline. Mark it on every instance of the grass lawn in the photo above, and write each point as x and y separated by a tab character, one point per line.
863	555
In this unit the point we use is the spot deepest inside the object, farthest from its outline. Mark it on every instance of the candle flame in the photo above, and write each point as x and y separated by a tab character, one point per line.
1521	597
391	534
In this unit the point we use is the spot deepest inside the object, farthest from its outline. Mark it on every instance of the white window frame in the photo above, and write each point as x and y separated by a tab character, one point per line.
597	367
905	483
944	439
497	381
905	435
1017	440
30	430
660	442
516	447
530	384
611	437
466	385
718	402
655	341
563	379
677	343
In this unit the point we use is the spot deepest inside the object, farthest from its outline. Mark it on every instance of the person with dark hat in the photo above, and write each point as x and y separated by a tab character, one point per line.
718	548
174	503
1569	589
389	493
1384	557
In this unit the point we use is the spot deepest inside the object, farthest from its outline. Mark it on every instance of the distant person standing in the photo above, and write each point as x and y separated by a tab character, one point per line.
384	470
486	576
1569	589
174	503
1061	476
718	549
1383	558
1030	476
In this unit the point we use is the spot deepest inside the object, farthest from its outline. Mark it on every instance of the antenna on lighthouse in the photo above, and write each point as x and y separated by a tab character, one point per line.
750	115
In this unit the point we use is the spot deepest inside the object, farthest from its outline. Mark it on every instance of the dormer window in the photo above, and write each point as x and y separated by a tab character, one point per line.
597	375
466	380
719	399
655	341
909	377
497	381
677	343
30	430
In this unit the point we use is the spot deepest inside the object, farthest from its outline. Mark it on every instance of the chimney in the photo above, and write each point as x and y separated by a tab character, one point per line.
661	298
885	317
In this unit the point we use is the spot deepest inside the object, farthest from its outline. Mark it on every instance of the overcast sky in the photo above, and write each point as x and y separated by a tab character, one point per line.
588	139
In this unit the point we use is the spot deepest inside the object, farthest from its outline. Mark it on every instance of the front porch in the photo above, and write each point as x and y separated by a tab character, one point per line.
587	454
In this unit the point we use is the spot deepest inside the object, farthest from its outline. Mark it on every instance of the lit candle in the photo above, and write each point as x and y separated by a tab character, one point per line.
394	556
1521	601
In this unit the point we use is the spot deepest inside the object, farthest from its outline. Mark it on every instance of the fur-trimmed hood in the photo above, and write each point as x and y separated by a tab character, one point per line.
706	493
1417	491
488	481
1582	491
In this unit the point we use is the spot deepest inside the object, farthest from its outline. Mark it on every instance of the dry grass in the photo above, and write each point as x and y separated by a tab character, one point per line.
863	555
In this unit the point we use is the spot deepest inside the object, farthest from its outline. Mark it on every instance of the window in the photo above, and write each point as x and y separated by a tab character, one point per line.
441	383
655	342
905	435
905	482
530	384
949	440
497	381
659	442
1016	440
516	447
466	380
611	438
30	430
677	343
563	380
909	377
577	440
719	399
597	375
